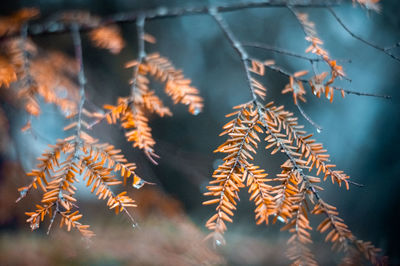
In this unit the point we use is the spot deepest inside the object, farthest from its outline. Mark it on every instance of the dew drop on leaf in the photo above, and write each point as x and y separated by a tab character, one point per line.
280	219
139	184
218	240
22	193
196	111
34	226
162	10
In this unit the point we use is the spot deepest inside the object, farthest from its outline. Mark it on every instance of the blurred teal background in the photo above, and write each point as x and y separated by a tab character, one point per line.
360	133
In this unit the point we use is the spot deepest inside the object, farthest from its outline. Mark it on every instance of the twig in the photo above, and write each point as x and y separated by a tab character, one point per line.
54	27
288	154
278	50
141	53
288	74
27	77
284	72
81	75
244	58
373	45
310	34
53	218
355	183
28	80
308	118
290	7
363	93
392	46
134	223
236	45
299	169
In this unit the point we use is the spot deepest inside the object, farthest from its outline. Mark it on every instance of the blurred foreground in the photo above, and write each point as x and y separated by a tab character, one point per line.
165	235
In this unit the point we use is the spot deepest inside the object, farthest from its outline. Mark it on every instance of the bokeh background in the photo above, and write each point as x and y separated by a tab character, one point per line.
360	133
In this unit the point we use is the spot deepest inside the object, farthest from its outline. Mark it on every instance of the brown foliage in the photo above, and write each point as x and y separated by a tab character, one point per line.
12	24
133	111
286	197
59	169
107	37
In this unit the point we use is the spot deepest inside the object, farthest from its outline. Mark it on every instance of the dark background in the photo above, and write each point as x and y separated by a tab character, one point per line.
360	133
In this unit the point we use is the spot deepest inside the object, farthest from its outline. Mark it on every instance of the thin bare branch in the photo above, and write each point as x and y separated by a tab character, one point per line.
310	33
363	93
347	91
54	27
308	118
81	75
141	55
278	50
392	46
53	218
141	52
236	45
373	45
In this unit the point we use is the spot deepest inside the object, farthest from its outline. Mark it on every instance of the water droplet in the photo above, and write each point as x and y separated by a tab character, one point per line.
218	240
162	10
88	242
212	10
139	184
319	130
142	54
53	27
196	111
280	219
134	225
300	170
34	226
296	88
22	193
